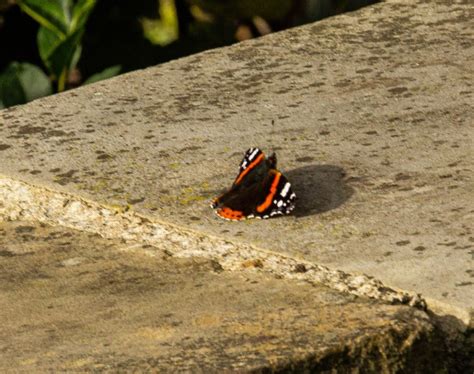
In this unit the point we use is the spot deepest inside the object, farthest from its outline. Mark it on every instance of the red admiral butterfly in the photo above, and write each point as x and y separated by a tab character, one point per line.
259	190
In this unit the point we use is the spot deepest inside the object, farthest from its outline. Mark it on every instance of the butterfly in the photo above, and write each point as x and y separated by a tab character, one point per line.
259	190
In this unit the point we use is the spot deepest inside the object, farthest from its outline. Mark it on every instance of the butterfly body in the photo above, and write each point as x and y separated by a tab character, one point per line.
259	190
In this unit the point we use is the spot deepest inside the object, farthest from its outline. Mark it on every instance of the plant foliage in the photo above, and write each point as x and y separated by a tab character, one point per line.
23	82
59	37
62	25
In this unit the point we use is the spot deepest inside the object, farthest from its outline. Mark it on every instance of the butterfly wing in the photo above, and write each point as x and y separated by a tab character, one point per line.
251	168
278	198
259	190
252	159
270	197
238	203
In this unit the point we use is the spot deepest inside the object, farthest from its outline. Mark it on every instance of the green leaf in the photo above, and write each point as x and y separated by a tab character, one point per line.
47	42
75	57
11	91
55	15
23	82
59	37
164	30
34	81
104	74
62	56
81	13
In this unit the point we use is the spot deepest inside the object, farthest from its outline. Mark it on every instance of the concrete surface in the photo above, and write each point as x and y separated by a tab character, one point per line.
72	301
373	126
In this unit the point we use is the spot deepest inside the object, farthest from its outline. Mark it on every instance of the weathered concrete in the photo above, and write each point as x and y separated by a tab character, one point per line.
373	127
72	301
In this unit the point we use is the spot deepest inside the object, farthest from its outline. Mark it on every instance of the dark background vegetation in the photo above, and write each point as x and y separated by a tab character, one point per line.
114	33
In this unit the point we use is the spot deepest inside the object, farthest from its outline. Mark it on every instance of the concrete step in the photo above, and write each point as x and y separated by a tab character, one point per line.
72	301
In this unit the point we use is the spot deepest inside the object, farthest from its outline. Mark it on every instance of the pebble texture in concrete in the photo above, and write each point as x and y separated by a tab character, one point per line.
72	301
373	126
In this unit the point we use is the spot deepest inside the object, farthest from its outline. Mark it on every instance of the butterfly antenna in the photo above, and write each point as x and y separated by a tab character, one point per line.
272	134
272	158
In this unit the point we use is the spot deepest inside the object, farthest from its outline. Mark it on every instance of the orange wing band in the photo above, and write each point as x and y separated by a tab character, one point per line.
230	214
269	198
250	167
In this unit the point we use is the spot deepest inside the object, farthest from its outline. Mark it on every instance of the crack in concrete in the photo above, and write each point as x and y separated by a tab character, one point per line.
23	201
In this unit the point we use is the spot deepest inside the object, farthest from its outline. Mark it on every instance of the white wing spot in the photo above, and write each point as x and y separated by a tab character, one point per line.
253	154
285	189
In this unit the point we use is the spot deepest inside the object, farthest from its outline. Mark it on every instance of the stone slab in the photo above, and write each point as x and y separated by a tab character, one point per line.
72	301
373	126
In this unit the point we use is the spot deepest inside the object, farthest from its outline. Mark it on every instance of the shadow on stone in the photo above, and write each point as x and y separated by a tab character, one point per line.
318	188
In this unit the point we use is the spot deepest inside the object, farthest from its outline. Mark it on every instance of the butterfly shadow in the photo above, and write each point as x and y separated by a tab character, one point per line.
318	188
